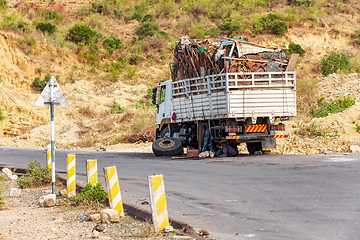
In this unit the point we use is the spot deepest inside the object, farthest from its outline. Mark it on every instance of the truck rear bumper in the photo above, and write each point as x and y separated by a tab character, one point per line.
256	137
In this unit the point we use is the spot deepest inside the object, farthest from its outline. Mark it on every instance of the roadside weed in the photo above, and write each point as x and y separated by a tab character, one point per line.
35	176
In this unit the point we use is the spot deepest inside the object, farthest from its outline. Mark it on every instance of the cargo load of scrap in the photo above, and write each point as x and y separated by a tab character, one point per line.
241	90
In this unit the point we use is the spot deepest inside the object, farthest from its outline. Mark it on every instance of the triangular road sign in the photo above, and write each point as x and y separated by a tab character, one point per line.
58	96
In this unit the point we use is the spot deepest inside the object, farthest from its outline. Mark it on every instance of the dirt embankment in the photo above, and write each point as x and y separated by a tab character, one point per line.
87	125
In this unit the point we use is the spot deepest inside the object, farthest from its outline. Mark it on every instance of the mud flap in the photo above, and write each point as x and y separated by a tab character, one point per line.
269	144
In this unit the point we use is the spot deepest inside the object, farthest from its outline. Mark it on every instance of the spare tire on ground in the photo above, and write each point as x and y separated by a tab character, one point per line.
167	147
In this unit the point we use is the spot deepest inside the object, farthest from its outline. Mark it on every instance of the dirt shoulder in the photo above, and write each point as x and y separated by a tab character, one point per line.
22	218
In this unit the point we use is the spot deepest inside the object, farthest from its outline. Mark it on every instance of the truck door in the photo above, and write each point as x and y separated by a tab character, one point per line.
163	102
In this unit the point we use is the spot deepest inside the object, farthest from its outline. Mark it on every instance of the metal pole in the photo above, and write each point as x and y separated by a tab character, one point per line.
52	137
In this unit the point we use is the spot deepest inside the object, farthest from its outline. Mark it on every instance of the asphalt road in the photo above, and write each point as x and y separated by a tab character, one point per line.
247	197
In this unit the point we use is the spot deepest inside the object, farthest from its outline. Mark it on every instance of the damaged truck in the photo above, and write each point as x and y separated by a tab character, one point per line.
240	89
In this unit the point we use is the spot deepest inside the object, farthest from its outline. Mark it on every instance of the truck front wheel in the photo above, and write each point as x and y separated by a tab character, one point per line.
167	147
254	147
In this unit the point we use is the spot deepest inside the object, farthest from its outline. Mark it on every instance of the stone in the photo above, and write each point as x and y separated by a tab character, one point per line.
95	217
12	178
48	202
15	192
7	172
99	227
109	216
355	148
168	229
63	192
95	234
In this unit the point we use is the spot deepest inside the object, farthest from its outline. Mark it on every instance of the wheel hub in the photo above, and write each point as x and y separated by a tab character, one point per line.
166	143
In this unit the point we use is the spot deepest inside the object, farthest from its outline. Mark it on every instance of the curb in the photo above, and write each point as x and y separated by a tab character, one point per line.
129	208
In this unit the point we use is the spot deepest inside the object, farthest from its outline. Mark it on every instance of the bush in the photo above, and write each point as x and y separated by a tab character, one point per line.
1	116
118	13
94	49
35	176
333	62
230	26
101	7
91	194
295	48
39	85
81	33
197	31
46	27
115	108
147	29
112	42
3	6
279	28
357	36
213	32
52	14
148	18
336	106
136	16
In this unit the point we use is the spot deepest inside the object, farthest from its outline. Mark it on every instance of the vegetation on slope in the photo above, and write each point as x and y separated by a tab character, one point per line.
117	40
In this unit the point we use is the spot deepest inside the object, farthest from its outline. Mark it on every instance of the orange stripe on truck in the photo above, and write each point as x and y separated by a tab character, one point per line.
257	128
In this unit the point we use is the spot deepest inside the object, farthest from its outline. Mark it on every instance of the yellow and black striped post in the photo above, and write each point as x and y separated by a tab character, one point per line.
91	173
71	175
112	183
158	202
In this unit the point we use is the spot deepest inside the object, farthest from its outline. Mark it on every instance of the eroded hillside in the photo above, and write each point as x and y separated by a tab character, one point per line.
88	123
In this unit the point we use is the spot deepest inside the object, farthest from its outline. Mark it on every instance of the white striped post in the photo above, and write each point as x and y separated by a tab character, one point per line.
158	202
112	183
91	173
71	175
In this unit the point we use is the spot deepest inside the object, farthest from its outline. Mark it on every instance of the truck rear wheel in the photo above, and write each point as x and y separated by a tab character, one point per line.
167	147
165	133
254	147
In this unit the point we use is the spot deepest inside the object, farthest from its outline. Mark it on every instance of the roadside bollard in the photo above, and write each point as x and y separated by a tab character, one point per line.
91	173
158	202
71	175
112	183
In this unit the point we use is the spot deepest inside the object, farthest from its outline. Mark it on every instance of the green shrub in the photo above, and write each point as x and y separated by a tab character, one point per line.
112	42
213	32
148	18
81	33
91	59
336	106
147	29
118	13
14	22
3	6
39	85
316	129
197	31
91	194
231	27
2	118
94	49
115	108
52	14
46	27
357	125
357	36
333	62
35	176
279	28
110	50
301	3
101	7
295	48
136	16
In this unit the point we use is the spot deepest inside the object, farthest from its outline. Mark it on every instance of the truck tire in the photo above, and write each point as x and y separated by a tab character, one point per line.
167	147
254	147
165	133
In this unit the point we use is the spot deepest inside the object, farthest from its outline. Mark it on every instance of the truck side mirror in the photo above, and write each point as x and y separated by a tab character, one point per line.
153	97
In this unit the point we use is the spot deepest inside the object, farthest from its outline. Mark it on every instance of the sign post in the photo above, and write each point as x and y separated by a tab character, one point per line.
52	96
